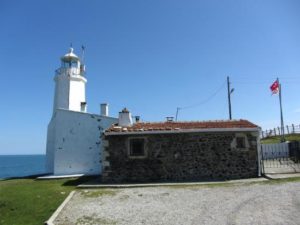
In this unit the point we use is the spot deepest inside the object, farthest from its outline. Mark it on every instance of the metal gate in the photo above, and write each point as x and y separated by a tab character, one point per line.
280	158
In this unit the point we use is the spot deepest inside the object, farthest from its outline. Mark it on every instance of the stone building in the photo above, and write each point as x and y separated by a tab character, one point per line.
129	152
180	151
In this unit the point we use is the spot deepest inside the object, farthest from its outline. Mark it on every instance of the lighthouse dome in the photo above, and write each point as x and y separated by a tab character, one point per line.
70	56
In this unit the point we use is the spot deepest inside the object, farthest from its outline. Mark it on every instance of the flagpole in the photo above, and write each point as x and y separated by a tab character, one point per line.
281	115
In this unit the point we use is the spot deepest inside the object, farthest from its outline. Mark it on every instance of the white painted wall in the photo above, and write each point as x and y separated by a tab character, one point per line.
61	94
69	89
74	145
77	93
50	147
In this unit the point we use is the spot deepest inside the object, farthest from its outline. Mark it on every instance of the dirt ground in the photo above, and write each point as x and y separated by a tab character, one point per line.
258	203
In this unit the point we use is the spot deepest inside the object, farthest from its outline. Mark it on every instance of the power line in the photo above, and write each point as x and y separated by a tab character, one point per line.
246	80
202	102
265	83
207	99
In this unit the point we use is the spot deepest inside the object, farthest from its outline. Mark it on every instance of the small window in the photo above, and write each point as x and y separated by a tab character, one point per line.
137	147
83	106
240	142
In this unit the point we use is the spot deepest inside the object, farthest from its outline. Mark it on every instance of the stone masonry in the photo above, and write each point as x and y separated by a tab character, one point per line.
181	157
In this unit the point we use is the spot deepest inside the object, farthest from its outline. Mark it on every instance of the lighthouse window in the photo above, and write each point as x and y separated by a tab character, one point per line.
71	64
137	148
74	64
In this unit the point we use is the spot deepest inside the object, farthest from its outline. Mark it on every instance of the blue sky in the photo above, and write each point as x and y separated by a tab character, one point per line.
150	56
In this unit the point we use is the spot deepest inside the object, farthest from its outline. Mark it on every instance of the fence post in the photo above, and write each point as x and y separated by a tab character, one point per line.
287	128
293	127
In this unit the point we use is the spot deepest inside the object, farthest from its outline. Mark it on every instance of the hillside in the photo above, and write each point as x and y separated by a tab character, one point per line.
289	137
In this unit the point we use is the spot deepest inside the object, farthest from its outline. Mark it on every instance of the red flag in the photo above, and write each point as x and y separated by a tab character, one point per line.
275	87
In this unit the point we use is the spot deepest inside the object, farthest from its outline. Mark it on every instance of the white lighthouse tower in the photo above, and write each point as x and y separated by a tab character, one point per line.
74	145
70	84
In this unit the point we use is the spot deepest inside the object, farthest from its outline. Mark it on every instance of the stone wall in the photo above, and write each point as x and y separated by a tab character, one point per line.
181	157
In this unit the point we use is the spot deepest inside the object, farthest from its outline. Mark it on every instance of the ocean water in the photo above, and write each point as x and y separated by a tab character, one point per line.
22	165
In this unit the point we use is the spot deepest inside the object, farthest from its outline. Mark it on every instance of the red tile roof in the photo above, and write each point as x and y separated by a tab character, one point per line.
176	126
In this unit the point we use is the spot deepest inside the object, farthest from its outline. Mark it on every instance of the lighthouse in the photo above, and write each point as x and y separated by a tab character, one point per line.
70	84
74	146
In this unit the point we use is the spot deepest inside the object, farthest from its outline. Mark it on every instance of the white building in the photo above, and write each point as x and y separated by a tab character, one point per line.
74	145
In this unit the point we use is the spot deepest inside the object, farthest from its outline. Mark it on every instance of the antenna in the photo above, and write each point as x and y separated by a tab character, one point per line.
82	53
82	66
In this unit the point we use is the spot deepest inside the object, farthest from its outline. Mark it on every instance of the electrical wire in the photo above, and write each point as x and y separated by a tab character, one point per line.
248	81
205	100
262	80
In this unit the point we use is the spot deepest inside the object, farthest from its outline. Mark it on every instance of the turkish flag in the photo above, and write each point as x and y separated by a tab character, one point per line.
275	87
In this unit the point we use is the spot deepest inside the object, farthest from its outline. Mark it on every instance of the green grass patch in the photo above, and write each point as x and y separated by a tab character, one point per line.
283	180
232	184
273	140
87	220
97	193
212	185
30	201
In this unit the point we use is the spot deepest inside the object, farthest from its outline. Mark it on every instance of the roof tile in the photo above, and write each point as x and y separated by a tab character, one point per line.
153	126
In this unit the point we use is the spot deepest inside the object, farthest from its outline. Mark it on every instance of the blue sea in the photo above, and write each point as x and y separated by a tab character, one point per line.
22	165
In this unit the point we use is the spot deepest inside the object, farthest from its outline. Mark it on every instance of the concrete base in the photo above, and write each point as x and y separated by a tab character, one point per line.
99	185
49	177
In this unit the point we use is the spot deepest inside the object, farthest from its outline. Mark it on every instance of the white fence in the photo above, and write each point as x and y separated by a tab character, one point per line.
273	151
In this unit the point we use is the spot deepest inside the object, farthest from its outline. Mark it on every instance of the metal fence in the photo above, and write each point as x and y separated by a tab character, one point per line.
275	151
281	157
293	129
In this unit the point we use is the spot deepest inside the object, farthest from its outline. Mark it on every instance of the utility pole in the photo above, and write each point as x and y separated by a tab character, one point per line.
177	111
229	92
281	115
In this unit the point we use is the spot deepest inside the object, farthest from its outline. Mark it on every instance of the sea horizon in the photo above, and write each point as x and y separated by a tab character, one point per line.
20	154
22	165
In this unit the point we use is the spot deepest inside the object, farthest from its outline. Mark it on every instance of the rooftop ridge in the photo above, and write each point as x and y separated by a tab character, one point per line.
193	121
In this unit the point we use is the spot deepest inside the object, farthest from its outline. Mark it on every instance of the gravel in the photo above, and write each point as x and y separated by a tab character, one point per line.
239	204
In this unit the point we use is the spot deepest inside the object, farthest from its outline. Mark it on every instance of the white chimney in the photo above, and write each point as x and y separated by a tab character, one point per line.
104	109
125	119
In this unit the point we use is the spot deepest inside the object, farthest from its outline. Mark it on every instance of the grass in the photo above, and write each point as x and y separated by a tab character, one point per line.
97	193
87	220
224	184
30	201
284	180
273	140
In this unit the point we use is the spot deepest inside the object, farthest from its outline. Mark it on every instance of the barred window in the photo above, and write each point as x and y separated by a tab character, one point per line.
240	142
137	147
